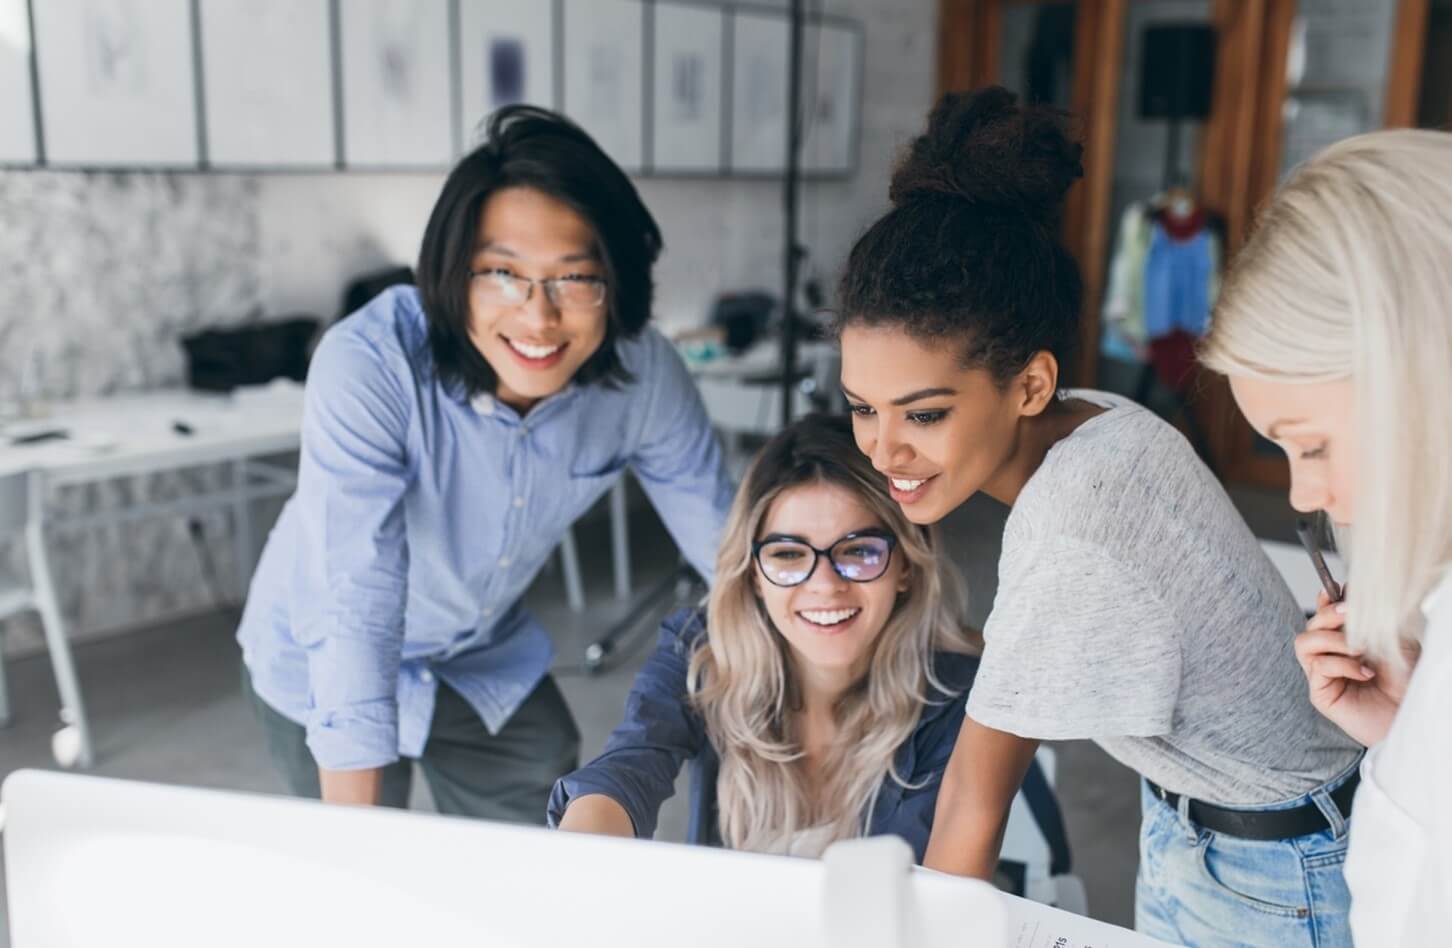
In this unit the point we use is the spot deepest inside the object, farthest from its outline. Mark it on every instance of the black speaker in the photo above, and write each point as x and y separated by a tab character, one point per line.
1177	71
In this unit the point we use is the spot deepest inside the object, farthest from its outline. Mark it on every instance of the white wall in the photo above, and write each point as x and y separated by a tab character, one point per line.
318	229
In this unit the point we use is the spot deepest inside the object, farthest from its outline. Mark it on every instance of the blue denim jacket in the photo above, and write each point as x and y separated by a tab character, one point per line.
661	732
421	516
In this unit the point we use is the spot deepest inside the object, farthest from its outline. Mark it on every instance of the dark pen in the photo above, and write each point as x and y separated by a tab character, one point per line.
1307	532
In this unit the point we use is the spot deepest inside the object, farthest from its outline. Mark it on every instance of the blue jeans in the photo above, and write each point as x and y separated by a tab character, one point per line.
1197	887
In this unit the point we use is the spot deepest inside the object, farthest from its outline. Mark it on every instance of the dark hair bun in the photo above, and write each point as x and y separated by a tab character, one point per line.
984	148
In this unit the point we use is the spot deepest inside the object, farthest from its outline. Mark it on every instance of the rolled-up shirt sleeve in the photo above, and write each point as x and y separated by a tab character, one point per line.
351	582
660	732
679	461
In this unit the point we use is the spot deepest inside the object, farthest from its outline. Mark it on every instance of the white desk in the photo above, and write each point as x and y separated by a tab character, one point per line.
738	406
134	435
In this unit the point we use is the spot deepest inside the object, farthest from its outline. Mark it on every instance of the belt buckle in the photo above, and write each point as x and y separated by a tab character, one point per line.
1164	794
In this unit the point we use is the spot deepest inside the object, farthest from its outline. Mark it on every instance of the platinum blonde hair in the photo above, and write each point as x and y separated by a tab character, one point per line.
742	681
1349	276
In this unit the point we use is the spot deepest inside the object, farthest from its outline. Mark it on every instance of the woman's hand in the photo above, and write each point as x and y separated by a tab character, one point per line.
1356	695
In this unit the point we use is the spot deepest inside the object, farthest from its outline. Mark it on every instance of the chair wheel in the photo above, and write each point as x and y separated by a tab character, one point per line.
65	746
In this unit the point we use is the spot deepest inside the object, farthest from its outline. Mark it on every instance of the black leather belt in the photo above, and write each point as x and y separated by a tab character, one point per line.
1264	824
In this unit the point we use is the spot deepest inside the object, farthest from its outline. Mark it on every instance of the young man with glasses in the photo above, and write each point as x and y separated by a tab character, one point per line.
451	435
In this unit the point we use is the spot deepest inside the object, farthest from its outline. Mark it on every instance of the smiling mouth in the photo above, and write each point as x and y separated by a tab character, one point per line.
534	352
829	618
908	489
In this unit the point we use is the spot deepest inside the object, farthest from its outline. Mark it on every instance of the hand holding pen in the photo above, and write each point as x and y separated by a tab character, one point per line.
1352	692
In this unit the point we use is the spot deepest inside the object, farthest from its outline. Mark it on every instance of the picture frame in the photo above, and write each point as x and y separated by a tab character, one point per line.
760	45
506	55
833	93
688	122
116	83
18	144
604	88
397	84
268	80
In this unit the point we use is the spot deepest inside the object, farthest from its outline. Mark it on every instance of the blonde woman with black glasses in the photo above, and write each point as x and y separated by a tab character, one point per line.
1336	333
814	697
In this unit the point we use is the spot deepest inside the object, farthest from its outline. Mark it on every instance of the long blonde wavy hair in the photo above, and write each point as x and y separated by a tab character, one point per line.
1349	276
742	681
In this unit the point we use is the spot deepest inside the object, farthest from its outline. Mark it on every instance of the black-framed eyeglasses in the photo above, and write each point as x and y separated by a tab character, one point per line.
858	557
566	292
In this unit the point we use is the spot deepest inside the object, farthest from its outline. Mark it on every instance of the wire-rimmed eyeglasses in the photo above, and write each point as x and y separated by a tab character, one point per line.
566	292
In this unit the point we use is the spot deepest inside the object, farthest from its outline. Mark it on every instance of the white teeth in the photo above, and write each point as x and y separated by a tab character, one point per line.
828	616
534	352
907	485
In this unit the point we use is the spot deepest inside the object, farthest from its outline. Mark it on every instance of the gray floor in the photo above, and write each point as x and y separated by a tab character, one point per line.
165	707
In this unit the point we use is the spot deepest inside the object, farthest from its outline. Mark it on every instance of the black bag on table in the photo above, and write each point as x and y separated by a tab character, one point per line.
219	360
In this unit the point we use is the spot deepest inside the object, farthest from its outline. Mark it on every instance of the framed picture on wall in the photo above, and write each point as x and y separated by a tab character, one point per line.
760	55
833	98
17	97
506	56
117	87
686	104
604	75
267	78
398	109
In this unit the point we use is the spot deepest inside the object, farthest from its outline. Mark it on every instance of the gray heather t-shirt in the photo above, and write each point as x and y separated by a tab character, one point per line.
1136	609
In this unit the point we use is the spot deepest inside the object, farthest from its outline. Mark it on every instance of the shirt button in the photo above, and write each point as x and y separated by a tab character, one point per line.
518	502
504	561
488	611
426	676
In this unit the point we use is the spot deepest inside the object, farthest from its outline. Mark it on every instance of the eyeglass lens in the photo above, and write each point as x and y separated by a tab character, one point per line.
859	559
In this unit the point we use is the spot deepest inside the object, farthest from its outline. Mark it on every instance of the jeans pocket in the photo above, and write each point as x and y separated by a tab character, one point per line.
1265	877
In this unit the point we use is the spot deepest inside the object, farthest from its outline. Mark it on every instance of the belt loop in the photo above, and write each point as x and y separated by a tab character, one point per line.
1183	809
1322	798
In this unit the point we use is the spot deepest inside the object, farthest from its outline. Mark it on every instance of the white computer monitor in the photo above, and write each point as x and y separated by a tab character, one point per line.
96	861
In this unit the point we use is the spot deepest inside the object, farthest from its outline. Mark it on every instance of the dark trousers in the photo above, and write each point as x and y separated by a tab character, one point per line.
505	776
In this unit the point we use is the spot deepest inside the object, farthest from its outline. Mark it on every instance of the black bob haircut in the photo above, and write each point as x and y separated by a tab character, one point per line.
970	253
531	147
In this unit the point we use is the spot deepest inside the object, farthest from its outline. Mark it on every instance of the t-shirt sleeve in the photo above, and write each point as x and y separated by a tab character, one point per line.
1076	647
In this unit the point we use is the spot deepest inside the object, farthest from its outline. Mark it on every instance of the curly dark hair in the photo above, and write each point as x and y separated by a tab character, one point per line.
532	147
970	252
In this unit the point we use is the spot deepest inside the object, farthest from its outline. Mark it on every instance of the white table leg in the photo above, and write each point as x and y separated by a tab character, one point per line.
574	587
242	528
620	540
72	744
4	687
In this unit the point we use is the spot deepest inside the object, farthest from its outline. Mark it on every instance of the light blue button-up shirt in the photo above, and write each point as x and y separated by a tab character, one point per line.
421	517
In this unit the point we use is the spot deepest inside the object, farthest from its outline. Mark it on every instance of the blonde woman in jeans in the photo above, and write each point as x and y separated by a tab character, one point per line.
1336	332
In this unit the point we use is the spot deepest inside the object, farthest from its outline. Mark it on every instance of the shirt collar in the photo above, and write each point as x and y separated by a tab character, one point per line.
1438	594
486	405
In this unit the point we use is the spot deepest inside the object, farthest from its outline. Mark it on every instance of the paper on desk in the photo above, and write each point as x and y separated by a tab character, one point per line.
1035	925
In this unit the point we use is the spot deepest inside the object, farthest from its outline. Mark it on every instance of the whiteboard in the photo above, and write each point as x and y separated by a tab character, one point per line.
397	104
17	112
687	102
268	79
605	77
116	82
761	52
506	56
